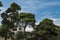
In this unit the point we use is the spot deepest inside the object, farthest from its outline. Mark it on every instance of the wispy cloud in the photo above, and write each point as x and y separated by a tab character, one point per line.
41	5
41	8
34	5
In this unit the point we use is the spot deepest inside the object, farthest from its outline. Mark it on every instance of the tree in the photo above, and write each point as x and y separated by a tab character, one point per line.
13	8
20	35
9	17
47	29
4	32
58	37
27	18
1	4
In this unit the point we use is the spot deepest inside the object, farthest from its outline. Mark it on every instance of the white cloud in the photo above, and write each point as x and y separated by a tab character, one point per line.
29	28
56	21
2	9
37	23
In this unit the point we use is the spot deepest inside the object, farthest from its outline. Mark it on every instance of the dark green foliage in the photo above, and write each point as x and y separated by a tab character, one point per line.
4	31
9	17
1	4
47	29
4	16
20	36
27	17
13	8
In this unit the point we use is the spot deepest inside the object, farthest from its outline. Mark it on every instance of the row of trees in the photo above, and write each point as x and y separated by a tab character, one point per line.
45	30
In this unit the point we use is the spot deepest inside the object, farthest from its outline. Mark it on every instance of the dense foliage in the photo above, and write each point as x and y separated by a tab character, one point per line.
11	18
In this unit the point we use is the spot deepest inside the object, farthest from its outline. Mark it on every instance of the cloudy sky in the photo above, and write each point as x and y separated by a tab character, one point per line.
41	8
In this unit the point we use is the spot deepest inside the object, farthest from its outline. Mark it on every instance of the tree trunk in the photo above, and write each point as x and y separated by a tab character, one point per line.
25	31
5	35
5	38
12	38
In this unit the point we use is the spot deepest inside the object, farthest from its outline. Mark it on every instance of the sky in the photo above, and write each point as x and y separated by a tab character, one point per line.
41	8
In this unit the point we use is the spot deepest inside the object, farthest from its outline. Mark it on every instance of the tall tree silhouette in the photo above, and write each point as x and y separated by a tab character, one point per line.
9	17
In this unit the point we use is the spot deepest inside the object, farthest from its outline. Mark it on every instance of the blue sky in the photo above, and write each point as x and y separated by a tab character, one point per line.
41	8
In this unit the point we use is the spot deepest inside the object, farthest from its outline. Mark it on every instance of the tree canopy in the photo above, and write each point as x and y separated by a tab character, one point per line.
12	18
